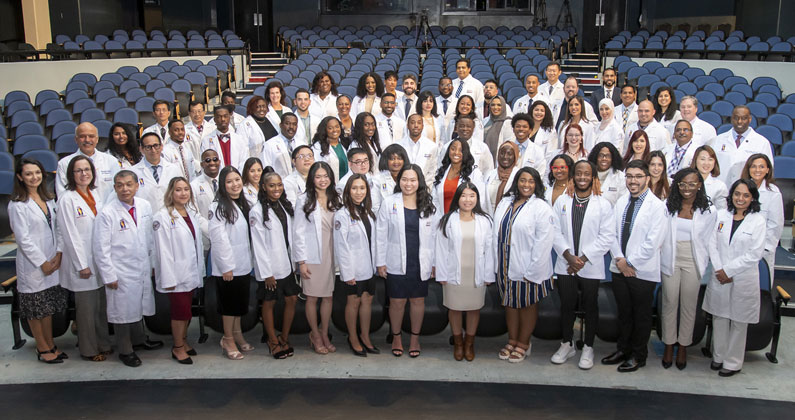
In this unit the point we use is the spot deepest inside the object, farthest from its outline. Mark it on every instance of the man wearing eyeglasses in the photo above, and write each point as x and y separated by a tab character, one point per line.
204	187
106	165
390	125
154	173
680	154
446	102
635	266
359	163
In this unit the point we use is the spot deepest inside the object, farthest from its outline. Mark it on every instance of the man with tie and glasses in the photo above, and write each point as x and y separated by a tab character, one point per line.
177	151
635	266
196	128
204	187
232	149
154	172
466	84
445	102
390	125
161	110
679	155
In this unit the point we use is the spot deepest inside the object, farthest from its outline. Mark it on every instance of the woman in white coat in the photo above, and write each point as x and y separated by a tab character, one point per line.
271	222
295	184
759	168
543	129
257	128
368	95
313	250
732	297
523	239
465	107
179	260
252	172
389	165
706	162
683	261
231	259
610	170
365	137
499	179
77	210
608	129
330	146
458	166
432	122
464	261
405	232
31	213
123	146
354	249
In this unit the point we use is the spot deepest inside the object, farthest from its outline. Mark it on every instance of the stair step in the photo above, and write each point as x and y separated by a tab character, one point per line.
267	55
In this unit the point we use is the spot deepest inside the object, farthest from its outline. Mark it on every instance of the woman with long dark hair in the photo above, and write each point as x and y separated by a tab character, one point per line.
313	250
432	122
658	175
31	213
277	102
252	172
458	166
464	261
577	115
610	170
365	136
706	162
231	258
368	95
759	169
638	147
666	109
271	235
389	165
543	129
684	260
404	252
559	168
123	145
329	145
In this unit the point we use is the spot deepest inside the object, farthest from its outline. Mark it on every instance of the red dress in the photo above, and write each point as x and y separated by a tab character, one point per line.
450	185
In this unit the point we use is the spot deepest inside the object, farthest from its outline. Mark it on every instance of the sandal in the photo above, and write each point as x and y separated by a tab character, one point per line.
321	349
414	353
95	358
245	347
273	347
61	355
50	361
518	354
397	352
231	355
505	352
289	350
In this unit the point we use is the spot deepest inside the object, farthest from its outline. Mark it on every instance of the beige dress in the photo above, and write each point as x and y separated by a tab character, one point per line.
321	282
465	296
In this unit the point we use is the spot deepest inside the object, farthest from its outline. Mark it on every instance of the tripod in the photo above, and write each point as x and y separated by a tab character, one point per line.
567	17
428	40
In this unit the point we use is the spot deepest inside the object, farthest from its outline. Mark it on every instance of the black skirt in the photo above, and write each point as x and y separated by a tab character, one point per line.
233	295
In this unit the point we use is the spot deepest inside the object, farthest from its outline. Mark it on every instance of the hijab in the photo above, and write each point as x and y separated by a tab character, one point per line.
606	121
494	128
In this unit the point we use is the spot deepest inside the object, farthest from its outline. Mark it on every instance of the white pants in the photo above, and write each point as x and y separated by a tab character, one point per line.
680	298
728	342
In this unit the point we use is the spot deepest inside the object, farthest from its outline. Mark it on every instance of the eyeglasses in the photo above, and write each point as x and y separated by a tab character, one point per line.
82	171
604	155
560	168
360	161
690	185
635	177
303	156
208	160
447	85
152	146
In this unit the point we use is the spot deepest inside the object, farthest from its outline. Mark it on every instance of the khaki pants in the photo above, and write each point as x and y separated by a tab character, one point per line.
680	298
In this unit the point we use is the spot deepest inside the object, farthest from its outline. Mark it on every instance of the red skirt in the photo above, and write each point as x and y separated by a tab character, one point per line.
181	303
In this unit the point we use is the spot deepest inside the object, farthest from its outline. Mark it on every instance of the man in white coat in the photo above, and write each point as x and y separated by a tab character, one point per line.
307	122
553	87
571	87
523	104
659	137
627	113
465	84
702	130
531	154
154	173
178	152
228	99
465	127
446	102
421	151
106	165
232	149
277	150
122	248
161	110
390	125
204	188
407	103
490	91
735	146
635	266
679	154
196	128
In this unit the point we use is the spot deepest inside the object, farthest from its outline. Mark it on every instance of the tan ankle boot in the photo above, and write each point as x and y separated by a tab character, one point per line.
458	347
469	348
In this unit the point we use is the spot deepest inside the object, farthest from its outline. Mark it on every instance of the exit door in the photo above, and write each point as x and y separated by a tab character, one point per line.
254	23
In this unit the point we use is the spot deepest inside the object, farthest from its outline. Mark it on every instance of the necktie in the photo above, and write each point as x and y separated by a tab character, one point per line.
738	140
162	133
550	90
200	129
184	164
444	105
132	214
391	132
408	108
626	117
215	185
609	94
287	143
460	88
155	174
626	229
679	153
222	137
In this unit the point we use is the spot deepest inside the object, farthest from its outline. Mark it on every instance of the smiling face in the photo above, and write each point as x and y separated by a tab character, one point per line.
161	113
119	136
645	112
664	99
741	198
176	131
322	180
506	157
234	185
333	130
395	163
575	109
82	173
741	119
445	86
539	112
531	84
609	78
181	193
358	191
688	109
490	90
343	106
254	174
289	126
570	88
552	72
468	200
369	126
527	185
656	167
689	186
465	127
409	182
369	85
636	181
388	105
125	187
31	176
560	170
275	95
683	133
462	70
495	107
465	106
627	96
409	86
304	160
455	153
704	163
758	170
274	188
604	159
521	130
197	113
583	177
210	163
151	148
639	146
415	126
574	139
261	109
302	101
605	112
86	138
324	86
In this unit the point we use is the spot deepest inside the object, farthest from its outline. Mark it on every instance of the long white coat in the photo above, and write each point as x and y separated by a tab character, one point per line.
105	165
645	240
37	243
123	253
238	149
391	238
717	192
276	154
423	153
358	104
531	240
383	187
448	251
739	259
492	184
268	246
151	190
229	244
353	252
614	185
613	134
203	195
252	134
331	158
701	229
294	185
171	154
384	135
76	225
597	235
307	234
731	158
179	257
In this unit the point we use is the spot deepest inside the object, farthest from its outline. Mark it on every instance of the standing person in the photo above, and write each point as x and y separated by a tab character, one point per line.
626	113
344	116
497	129
706	162
295	183
445	102
465	128
407	102
324	96
390	84
526	102
204	188
329	146
576	110
553	88
229	101
464	108
258	127
368	95
232	148
177	151
573	145
122	249
197	127
271	237
354	249
558	179
732	295
666	110
734	147
500	178
123	145
161	110
458	166
523	242
542	130
313	250
608	91
684	261
702	130
759	169
77	211
635	266
307	122
276	151
466	84
658	179
659	136
608	130
32	216
390	124
610	170
464	261
154	172
106	165
680	153
360	164
432	122
390	164
179	261
584	233
420	150
404	252
638	148
231	259
277	103
252	172
366	137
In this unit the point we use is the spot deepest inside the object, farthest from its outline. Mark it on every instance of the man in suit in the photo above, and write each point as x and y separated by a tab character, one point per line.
608	90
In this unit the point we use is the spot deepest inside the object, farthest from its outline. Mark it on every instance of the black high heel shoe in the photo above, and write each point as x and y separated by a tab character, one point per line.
362	353
49	362
371	350
185	361
62	356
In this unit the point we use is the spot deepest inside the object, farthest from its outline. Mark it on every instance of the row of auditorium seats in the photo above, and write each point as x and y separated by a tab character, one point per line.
698	45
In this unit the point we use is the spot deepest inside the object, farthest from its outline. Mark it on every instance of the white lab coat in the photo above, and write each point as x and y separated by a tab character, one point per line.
423	153
717	192
179	257
632	117
149	189
772	208
531	240
451	103
535	157
731	158
447	132
352	250
523	104
268	246
251	194
123	253
155	128
375	198
645	239
701	229
37	243
588	133
391	238
251	133
301	136
448	251
238	149
670	153
323	107
229	244
383	187
739	259
702	132
384	135
366	146
76	225
437	190
613	134
331	158
105	166
597	235
670	125
473	88
276	154
294	185
307	234
203	194
554	98
358	104
171	154
492	184
614	185
659	137
433	133
194	139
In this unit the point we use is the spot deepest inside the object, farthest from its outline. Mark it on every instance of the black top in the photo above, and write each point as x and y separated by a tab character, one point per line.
412	218
267	128
577	216
735	225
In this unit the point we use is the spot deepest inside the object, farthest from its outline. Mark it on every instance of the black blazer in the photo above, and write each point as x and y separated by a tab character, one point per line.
599	94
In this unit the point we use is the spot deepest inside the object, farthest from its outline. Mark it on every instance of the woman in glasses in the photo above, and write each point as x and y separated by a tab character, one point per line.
295	184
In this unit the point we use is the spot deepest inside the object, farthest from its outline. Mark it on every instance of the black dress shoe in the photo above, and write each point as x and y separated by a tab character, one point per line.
631	365
667	364
360	353
615	358
130	360
192	352
371	350
715	366
682	365
149	345
726	372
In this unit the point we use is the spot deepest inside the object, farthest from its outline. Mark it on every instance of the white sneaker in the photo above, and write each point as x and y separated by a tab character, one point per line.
586	358
565	352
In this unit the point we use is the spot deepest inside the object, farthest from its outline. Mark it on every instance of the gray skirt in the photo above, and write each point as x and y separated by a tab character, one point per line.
42	304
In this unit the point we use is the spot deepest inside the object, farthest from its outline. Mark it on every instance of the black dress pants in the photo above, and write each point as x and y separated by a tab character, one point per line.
634	299
567	288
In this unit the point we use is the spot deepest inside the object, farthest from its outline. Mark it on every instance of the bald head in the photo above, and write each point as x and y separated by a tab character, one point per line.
86	138
645	112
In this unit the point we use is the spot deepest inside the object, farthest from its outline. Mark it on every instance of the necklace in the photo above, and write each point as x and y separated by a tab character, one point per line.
581	201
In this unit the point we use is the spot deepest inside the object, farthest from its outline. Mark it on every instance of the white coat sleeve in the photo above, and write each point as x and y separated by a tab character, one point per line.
381	236
559	242
103	229
72	236
491	253
775	222
219	241
20	224
300	225
259	246
164	246
441	245
596	250
342	248
712	247
542	242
